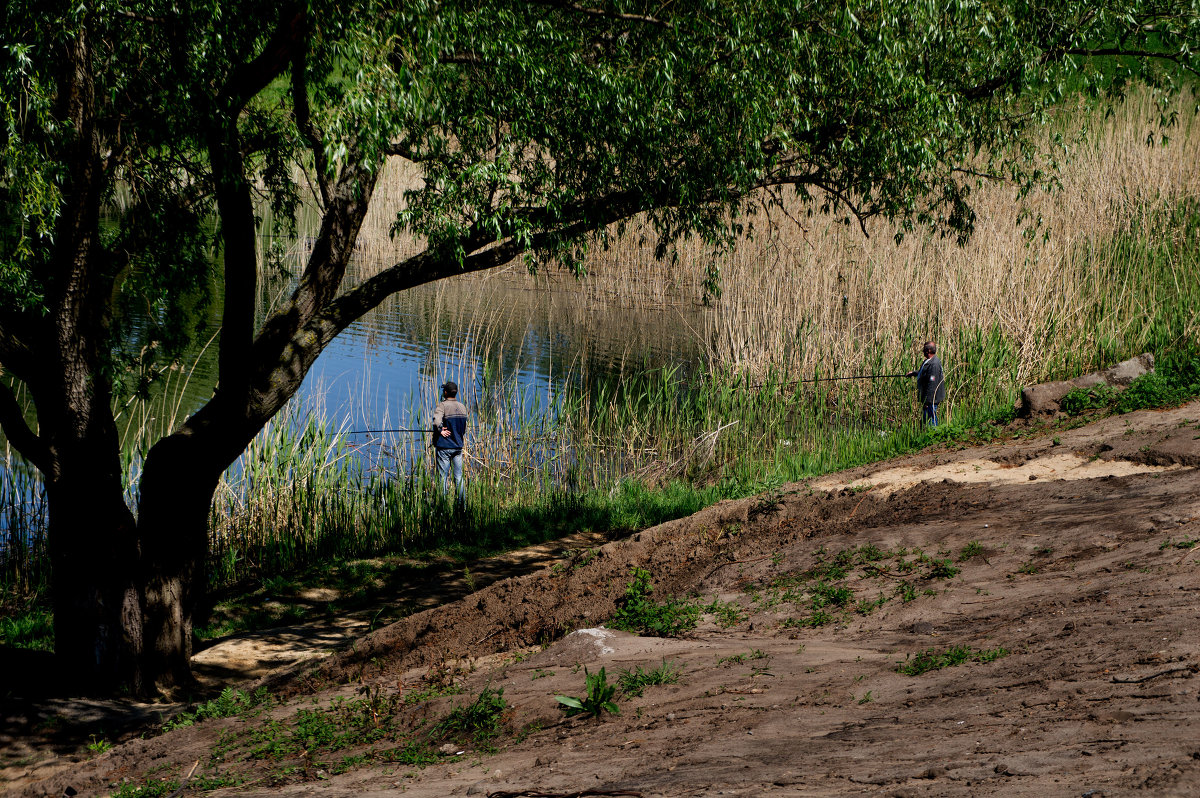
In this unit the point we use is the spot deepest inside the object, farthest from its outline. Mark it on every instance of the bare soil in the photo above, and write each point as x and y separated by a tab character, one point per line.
1080	568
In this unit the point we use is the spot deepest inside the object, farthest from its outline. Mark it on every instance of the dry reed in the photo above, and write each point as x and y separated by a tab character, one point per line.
817	294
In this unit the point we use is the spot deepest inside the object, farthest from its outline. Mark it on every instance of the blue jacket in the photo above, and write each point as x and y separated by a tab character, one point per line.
452	415
931	384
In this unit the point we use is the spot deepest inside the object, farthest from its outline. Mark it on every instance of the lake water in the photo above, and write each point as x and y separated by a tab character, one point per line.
505	338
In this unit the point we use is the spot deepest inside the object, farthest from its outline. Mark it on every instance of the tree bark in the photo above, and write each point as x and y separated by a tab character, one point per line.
176	492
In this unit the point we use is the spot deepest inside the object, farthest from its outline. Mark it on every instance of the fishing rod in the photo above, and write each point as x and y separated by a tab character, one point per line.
381	431
760	385
855	377
831	379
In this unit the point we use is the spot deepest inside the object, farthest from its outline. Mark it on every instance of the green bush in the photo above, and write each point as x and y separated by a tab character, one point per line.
1080	400
33	630
1174	381
1151	390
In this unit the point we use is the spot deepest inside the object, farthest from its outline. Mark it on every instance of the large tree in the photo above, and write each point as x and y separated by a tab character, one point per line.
140	135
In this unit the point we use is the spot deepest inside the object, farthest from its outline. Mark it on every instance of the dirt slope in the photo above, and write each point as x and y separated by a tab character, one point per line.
1072	556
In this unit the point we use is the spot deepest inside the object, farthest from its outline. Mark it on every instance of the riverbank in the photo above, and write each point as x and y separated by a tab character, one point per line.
862	632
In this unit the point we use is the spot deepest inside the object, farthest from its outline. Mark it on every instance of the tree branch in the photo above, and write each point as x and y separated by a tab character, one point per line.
1175	58
304	123
235	203
12	421
147	18
246	81
575	8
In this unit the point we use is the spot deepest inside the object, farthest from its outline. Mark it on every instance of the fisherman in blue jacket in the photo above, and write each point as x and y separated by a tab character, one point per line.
449	427
931	385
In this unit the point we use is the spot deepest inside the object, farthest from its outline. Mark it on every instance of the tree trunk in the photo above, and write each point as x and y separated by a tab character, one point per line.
94	557
176	494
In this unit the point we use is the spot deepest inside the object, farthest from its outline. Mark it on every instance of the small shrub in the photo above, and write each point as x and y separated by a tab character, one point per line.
1155	389
597	698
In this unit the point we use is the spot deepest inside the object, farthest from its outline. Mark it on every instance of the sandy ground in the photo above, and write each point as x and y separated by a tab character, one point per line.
1080	570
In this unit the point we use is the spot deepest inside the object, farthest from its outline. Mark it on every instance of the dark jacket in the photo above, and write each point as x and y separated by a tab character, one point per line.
452	415
931	385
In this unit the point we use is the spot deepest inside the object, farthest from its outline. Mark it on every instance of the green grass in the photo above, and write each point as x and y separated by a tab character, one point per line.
931	659
228	704
829	591
151	789
634	682
750	656
32	629
970	550
726	613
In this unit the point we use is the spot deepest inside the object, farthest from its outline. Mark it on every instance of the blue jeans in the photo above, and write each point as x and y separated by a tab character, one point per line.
929	413
448	459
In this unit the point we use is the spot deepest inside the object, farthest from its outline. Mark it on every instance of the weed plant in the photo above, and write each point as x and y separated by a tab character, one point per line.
353	732
1175	380
33	629
598	698
829	590
479	722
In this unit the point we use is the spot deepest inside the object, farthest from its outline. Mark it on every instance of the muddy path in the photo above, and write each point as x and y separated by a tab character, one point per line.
1056	578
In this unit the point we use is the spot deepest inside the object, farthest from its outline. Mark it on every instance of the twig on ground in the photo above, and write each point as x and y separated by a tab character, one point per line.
178	792
577	794
1186	669
736	562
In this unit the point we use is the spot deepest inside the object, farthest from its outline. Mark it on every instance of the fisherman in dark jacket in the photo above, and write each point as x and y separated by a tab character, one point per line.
931	385
449	427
